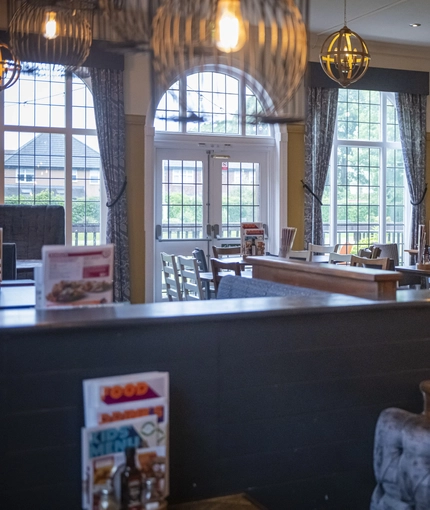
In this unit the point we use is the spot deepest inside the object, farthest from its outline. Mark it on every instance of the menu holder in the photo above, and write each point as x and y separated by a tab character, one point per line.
123	411
252	239
74	276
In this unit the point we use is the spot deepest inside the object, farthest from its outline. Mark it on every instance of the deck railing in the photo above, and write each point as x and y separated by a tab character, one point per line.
86	235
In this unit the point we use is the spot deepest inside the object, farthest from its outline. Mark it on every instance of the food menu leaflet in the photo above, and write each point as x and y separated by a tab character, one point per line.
75	276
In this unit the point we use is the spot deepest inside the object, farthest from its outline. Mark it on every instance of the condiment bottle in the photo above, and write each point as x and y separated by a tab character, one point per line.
107	499
131	483
150	495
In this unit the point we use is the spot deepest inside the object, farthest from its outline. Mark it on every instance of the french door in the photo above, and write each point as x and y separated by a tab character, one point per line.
202	196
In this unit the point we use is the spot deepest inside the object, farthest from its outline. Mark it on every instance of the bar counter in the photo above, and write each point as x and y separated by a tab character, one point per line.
276	397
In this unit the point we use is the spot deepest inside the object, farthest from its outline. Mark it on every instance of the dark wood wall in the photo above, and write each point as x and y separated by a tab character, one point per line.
283	404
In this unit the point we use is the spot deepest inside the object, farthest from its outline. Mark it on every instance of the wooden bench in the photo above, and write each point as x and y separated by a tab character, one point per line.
355	281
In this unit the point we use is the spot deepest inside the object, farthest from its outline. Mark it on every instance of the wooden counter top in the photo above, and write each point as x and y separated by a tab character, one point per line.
355	281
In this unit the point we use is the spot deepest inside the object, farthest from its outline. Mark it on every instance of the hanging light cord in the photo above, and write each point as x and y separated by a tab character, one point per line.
344	12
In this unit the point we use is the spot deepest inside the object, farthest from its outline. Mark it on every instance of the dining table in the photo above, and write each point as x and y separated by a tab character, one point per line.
411	275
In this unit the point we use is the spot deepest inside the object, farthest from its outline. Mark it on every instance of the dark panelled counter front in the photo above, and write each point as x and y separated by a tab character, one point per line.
276	395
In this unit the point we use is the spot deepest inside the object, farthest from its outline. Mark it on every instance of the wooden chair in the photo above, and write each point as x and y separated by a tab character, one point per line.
372	252
219	266
301	255
320	249
225	251
381	263
171	277
191	283
339	258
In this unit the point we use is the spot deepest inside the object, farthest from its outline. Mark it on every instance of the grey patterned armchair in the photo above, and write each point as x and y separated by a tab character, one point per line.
402	459
32	226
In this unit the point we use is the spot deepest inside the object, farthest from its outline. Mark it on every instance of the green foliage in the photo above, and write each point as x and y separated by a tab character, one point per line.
82	213
184	209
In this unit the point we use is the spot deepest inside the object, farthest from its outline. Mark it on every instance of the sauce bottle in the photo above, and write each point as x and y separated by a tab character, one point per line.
131	483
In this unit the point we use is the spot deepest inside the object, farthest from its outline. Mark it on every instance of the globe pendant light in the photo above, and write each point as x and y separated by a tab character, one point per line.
344	56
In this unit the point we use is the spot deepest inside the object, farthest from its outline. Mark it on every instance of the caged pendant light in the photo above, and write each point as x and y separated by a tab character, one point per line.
10	67
265	39
344	56
53	31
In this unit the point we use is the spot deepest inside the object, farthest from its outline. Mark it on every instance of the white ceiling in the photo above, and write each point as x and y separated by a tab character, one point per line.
374	20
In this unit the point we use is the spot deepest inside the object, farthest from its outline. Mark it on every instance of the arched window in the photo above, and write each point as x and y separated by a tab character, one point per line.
51	153
366	194
211	103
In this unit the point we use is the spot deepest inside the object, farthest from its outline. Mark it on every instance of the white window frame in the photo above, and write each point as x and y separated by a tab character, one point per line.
244	81
383	145
68	131
277	184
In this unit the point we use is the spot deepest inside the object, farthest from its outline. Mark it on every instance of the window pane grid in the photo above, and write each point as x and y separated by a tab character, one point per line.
358	115
395	198
86	190
30	101
182	199
357	196
35	156
361	218
34	174
213	99
240	196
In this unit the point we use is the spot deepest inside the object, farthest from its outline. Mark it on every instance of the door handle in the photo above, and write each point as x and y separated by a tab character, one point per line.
215	229
158	232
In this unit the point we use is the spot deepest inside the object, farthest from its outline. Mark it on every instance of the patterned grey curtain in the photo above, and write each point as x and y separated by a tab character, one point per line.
108	94
319	131
411	111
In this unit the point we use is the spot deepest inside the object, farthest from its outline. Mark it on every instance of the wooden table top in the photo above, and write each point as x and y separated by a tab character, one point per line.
235	502
413	270
331	270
